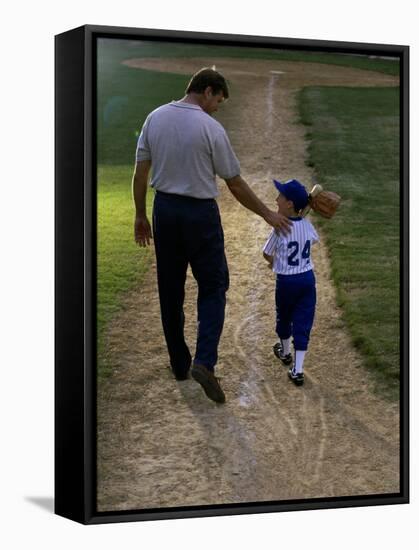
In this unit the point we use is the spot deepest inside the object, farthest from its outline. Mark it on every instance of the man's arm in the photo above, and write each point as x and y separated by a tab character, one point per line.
247	198
142	229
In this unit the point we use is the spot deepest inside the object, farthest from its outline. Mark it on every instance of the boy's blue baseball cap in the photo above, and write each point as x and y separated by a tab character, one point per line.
294	191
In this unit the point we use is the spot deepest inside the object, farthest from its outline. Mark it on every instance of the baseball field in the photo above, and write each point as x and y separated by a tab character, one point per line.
318	118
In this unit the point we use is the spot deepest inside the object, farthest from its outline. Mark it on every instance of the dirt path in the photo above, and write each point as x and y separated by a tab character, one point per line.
163	443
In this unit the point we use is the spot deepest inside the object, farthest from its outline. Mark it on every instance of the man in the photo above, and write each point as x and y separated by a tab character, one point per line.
186	148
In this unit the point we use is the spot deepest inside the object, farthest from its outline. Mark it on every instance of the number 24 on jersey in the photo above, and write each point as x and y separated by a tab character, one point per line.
294	256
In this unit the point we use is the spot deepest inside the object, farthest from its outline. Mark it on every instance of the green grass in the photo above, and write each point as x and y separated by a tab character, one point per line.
354	149
121	263
126	97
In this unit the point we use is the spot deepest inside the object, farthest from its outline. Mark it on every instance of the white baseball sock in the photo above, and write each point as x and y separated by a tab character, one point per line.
286	346
299	361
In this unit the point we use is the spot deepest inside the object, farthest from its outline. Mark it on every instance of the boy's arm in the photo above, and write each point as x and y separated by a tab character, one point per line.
270	247
268	258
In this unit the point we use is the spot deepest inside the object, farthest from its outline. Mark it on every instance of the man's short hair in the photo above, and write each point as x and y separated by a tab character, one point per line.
208	77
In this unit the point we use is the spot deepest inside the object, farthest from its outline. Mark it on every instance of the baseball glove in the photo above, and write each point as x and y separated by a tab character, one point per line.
323	202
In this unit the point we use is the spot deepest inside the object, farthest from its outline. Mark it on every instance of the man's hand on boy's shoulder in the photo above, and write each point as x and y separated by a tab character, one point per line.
278	221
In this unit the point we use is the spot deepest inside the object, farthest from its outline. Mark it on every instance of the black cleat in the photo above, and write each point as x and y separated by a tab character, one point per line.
285	359
297	378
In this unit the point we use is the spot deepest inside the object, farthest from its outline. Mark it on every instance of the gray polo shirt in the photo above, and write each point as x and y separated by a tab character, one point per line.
187	148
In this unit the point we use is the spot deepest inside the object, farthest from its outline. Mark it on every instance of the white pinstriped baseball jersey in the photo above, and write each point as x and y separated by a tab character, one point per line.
292	253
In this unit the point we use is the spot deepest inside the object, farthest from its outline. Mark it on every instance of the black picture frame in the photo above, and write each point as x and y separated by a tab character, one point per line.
75	269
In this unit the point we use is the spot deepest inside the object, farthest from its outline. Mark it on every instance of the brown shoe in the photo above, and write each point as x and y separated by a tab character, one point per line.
209	382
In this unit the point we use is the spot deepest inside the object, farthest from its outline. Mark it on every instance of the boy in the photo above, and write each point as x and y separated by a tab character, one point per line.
290	258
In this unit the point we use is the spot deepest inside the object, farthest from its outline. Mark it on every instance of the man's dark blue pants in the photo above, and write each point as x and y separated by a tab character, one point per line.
188	231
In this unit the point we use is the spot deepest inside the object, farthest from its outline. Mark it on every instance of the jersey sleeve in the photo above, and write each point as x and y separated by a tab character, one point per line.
143	148
314	235
225	162
271	244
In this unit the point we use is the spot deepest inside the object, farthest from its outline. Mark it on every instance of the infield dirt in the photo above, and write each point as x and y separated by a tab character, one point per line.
162	443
